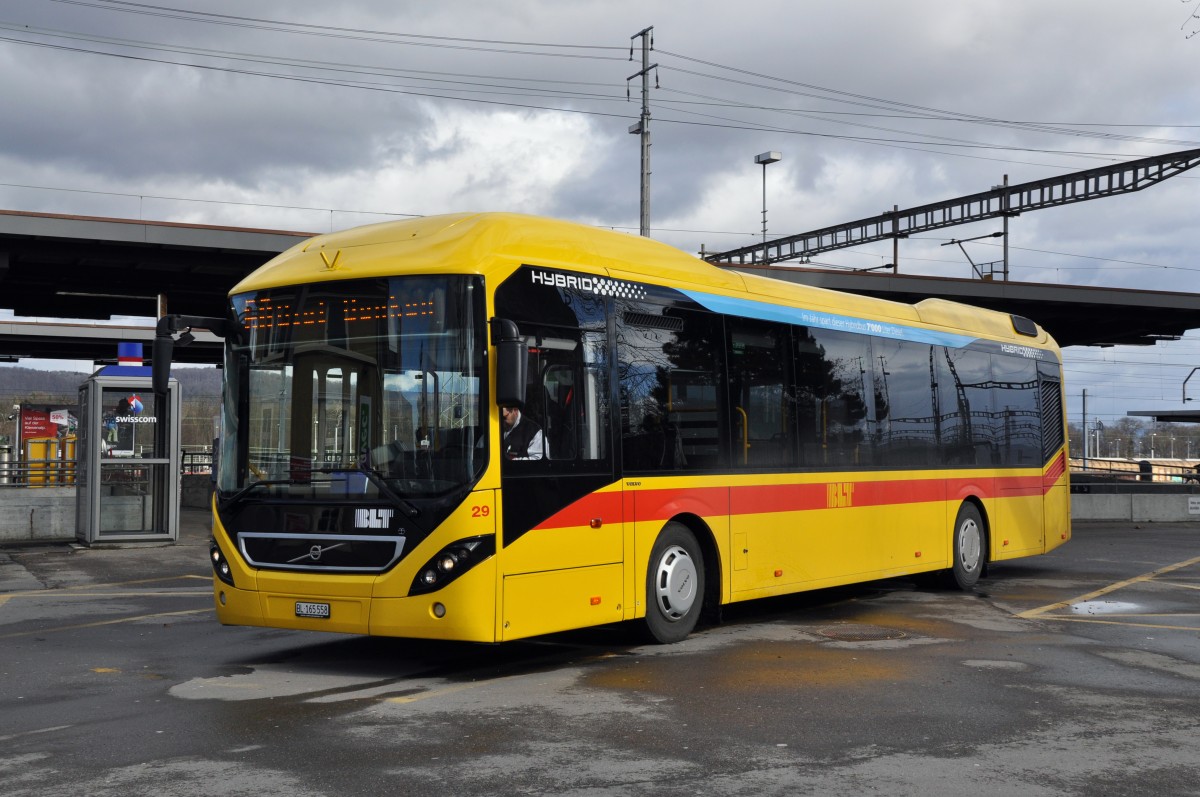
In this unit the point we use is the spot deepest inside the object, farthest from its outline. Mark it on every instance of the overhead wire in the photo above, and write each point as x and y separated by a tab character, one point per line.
553	48
309	29
451	83
337	32
852	98
728	124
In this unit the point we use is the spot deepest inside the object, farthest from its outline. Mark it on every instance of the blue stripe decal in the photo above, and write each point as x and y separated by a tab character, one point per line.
747	308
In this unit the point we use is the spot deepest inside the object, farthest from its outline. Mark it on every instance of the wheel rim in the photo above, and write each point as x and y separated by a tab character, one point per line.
675	581
969	545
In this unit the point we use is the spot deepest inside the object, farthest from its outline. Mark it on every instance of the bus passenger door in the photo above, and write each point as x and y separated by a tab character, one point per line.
769	538
563	528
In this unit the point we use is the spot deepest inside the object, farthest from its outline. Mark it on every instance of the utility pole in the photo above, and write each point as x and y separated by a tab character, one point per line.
764	159
1007	213
642	127
895	239
1085	446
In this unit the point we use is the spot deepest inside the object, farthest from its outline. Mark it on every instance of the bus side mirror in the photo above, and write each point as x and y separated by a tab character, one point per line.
512	363
164	343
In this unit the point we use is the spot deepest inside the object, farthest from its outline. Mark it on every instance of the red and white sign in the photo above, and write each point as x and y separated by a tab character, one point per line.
36	423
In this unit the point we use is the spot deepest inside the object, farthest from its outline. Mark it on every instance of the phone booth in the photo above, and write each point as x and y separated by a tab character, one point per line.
128	479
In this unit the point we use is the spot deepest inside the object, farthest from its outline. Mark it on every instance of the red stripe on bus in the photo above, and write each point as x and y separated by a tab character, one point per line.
667	503
1055	471
662	504
606	506
763	498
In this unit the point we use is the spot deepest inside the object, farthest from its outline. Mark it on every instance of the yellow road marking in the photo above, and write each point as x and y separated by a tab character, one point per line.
99	623
1111	615
1064	619
1181	586
1042	610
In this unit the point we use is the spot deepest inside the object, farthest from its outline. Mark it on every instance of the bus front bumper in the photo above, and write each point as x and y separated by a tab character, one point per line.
464	610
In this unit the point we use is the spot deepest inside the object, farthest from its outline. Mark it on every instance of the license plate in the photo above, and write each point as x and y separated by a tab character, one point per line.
318	610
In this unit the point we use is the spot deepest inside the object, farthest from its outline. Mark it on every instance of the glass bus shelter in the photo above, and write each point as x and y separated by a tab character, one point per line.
128	469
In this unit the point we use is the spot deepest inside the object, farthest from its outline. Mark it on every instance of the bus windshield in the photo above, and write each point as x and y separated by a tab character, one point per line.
359	388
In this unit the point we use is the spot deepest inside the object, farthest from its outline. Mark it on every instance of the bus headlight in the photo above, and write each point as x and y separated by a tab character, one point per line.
220	565
451	562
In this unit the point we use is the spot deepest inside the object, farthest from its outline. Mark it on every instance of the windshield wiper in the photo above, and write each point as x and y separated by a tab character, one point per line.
376	478
255	485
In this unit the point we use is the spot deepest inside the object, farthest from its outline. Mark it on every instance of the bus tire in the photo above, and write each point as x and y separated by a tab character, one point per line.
674	585
969	547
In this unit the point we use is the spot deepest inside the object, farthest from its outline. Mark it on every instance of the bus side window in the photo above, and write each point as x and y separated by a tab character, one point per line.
836	398
669	366
1016	396
575	393
967	422
567	395
762	420
910	416
561	422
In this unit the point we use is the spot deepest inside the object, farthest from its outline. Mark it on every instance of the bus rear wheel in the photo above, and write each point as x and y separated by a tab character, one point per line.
969	549
674	585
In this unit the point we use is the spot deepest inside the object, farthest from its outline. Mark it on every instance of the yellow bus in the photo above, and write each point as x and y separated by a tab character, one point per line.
693	436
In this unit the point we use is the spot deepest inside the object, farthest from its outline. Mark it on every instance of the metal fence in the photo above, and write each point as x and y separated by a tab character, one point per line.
62	472
196	460
1176	472
36	472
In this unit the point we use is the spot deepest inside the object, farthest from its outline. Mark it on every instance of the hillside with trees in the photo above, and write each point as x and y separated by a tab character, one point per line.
201	395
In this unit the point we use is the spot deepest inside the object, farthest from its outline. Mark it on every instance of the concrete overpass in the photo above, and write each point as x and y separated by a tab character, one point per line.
1075	316
76	267
88	269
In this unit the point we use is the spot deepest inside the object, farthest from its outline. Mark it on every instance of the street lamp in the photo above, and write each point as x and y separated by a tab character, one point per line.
765	158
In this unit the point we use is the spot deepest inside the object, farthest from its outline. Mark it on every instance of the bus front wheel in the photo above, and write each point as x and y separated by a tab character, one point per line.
969	547
674	585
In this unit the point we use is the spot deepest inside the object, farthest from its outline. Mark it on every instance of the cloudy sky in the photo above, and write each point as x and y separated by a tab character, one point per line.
314	116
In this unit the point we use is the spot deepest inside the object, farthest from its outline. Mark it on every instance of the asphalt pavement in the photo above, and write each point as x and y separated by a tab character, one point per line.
1075	673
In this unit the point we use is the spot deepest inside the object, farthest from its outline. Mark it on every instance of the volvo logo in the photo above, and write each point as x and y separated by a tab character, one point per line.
315	553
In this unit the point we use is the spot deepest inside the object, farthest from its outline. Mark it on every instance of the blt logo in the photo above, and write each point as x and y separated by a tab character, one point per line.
373	518
839	495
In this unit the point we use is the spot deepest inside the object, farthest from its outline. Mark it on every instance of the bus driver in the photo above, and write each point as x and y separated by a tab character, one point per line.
522	436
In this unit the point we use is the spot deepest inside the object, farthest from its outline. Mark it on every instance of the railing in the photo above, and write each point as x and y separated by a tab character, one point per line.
196	460
1177	472
37	473
54	472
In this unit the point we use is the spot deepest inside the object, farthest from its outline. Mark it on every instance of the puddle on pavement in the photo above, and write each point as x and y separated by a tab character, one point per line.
1104	607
